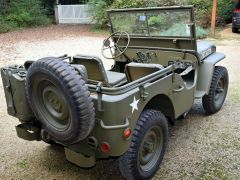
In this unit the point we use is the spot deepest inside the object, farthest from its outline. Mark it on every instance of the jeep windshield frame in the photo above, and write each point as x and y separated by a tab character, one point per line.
147	21
157	24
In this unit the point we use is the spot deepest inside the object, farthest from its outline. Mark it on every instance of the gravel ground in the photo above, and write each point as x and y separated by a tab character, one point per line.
200	146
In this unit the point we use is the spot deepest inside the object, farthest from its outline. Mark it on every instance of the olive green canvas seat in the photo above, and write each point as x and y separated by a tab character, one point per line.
136	71
97	73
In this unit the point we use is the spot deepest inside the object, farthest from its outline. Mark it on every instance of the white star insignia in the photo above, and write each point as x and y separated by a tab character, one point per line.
134	104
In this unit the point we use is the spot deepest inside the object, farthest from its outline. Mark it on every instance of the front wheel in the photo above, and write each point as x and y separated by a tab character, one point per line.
213	102
147	148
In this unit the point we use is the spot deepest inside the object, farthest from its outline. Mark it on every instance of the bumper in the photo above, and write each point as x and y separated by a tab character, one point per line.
79	159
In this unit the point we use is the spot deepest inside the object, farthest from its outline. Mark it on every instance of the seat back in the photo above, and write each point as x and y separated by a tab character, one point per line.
136	71
95	69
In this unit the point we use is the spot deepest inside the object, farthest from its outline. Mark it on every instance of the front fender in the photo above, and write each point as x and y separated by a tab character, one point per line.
205	73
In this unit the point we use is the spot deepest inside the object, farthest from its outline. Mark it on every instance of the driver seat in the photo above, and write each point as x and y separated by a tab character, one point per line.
97	73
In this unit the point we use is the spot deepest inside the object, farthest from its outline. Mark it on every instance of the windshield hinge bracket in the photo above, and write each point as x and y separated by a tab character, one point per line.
99	93
143	93
173	72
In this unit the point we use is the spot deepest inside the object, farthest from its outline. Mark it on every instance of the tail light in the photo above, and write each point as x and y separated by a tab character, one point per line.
105	147
127	133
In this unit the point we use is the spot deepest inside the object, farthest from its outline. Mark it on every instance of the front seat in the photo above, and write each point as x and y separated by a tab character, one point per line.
97	73
136	71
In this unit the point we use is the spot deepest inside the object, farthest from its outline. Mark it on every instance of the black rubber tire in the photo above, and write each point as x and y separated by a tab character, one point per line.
234	30
71	86
129	162
208	101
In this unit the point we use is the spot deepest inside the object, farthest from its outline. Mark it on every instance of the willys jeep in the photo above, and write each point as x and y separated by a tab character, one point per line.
160	69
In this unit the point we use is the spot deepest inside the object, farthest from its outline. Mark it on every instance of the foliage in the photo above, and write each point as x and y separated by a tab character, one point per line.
98	9
23	13
203	8
225	10
6	26
203	11
48	5
201	33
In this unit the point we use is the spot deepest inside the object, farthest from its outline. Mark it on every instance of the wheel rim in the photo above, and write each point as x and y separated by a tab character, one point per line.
220	92
151	148
52	105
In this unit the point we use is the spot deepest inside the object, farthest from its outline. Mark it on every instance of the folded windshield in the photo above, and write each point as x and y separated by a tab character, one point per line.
160	22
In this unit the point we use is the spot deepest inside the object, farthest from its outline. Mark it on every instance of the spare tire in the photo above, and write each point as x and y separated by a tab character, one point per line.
60	100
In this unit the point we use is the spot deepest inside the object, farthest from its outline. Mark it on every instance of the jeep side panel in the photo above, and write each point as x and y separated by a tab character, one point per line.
205	73
118	112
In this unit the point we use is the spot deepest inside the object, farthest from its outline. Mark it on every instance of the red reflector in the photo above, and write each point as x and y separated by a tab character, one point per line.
127	133
105	147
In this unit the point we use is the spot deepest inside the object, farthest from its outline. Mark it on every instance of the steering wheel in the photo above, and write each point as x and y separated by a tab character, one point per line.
110	46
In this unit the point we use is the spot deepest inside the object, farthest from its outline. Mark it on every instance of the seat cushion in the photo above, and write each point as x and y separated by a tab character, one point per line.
94	66
97	73
136	71
115	78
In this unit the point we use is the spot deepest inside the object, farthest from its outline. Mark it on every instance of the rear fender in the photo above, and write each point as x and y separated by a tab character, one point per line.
205	73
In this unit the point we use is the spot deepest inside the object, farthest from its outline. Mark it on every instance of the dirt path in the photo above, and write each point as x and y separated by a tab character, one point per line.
200	146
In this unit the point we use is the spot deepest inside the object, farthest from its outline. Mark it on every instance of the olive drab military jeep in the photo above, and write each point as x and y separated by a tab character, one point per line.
160	69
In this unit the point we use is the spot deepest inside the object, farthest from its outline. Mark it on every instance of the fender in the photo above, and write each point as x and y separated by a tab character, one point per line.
205	71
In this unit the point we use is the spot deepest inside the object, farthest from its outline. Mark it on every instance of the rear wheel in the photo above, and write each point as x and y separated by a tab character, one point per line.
60	100
148	146
213	102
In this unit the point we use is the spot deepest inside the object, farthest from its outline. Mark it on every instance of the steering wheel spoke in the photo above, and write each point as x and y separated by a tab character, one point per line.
117	50
119	38
111	51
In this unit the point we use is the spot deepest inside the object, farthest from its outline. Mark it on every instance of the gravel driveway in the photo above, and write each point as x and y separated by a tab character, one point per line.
200	146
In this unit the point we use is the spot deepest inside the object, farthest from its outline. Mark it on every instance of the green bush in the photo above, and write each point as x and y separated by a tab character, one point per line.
99	7
6	26
203	8
225	10
201	33
27	13
23	13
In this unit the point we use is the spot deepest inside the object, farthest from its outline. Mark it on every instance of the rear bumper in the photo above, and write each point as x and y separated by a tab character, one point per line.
80	159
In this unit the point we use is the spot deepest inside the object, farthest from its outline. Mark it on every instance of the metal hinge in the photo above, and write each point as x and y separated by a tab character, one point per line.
143	93
99	93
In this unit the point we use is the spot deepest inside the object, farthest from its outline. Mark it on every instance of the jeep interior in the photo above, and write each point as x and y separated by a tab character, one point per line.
145	41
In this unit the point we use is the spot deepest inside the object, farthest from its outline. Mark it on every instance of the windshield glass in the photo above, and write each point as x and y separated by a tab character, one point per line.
153	23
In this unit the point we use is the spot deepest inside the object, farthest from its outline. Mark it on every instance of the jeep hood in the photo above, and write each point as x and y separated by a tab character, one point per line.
205	49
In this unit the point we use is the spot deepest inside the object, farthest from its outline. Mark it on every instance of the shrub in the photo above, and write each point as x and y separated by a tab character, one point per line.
203	8
5	27
23	13
225	10
201	33
26	13
98	9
